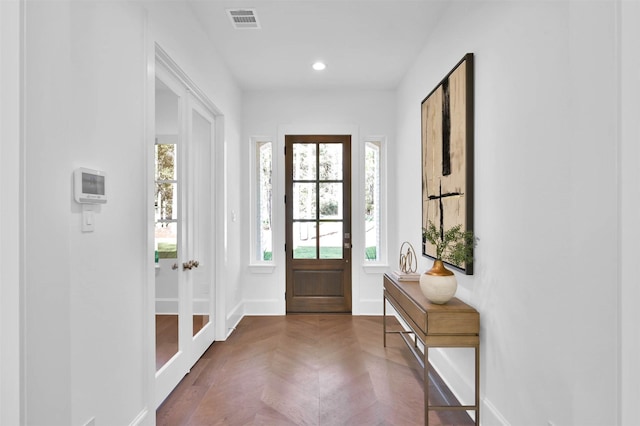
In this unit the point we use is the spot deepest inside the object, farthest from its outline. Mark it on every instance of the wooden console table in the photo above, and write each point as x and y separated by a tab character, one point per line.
454	324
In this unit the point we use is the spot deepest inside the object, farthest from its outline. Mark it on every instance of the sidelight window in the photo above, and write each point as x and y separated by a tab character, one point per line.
262	190
373	202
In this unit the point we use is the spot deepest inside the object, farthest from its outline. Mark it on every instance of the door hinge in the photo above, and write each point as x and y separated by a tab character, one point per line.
285	198
285	150
285	248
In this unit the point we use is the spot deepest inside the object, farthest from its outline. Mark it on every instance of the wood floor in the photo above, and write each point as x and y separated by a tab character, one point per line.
306	370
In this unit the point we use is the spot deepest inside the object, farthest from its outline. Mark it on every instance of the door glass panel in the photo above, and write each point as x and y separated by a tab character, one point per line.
304	240
304	200
166	201
330	240
202	231
331	200
166	159
330	161
166	226
304	161
166	240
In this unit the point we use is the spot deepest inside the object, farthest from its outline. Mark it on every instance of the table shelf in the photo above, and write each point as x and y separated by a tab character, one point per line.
454	324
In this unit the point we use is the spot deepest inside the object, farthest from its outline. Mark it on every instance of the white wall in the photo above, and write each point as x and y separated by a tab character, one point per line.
274	113
629	157
86	76
10	365
546	207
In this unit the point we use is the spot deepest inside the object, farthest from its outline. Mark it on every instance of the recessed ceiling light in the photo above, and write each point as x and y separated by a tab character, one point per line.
319	66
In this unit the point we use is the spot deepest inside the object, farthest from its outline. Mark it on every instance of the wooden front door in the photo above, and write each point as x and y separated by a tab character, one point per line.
318	218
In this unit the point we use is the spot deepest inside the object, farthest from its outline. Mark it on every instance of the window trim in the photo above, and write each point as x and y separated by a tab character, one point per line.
382	263
257	265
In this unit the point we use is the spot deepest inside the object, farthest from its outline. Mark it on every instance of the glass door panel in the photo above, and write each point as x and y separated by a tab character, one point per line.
330	164
201	229
166	208
304	200
330	200
304	240
330	240
304	161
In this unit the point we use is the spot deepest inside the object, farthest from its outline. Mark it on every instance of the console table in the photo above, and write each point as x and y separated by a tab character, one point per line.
454	324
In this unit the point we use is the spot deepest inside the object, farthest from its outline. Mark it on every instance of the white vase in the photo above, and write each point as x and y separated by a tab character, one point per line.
438	284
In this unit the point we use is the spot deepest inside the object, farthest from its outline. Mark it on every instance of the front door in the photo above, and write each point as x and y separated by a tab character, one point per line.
318	218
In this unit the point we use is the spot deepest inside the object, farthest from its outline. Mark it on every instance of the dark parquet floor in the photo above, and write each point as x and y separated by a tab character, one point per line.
306	370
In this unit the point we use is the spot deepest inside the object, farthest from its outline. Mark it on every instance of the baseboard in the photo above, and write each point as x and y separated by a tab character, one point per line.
370	307
489	415
141	419
233	318
463	388
264	307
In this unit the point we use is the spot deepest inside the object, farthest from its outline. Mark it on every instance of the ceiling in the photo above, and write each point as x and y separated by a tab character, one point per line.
366	44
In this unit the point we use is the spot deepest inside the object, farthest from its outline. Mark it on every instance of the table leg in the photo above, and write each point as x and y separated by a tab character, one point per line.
426	385
477	384
384	321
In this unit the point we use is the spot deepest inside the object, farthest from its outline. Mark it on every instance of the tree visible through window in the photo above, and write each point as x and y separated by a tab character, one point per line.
372	201
166	238
264	195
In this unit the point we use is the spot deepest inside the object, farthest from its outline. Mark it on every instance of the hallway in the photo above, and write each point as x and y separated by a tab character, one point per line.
305	370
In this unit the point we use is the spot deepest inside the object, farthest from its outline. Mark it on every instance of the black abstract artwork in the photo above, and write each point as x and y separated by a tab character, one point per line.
447	154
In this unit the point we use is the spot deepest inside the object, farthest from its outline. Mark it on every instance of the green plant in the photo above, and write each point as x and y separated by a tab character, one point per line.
453	245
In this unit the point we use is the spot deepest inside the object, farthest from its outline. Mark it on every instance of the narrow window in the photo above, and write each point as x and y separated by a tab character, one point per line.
263	201
372	201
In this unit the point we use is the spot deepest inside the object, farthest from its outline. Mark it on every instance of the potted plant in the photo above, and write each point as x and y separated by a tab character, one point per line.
453	245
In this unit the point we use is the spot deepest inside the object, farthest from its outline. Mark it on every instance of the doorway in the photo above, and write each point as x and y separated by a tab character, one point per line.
183	222
318	223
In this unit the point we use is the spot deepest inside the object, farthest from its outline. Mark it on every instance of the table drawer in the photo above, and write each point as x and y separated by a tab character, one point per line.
413	310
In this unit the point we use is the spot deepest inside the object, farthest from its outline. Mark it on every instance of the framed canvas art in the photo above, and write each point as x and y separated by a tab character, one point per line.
447	155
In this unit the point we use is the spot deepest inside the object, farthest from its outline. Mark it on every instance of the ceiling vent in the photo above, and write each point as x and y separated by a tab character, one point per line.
243	19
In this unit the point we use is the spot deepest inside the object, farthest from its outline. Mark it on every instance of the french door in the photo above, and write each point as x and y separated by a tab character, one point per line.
184	232
318	223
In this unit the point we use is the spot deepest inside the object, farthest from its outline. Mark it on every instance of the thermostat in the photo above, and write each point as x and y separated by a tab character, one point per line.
90	186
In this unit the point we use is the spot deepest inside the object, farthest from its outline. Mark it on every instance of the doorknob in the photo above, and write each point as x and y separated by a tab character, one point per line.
190	264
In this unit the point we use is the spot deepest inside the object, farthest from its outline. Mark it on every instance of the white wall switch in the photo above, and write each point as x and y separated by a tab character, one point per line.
88	220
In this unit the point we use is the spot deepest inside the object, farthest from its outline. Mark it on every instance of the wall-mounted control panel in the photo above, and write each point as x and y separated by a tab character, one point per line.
89	186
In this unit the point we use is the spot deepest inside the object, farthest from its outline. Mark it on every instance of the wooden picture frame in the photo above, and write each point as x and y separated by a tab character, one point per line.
447	154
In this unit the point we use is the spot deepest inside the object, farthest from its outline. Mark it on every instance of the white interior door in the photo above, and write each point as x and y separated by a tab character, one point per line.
200	228
184	233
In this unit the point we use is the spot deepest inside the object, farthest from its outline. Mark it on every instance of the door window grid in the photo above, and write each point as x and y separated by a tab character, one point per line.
317	201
